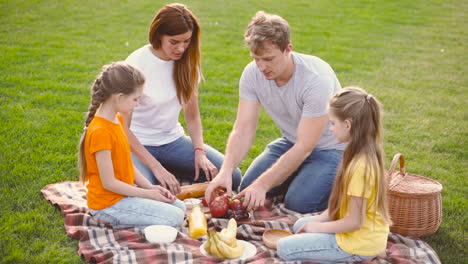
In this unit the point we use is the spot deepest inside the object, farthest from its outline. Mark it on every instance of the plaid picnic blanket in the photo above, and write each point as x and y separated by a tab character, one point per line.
100	243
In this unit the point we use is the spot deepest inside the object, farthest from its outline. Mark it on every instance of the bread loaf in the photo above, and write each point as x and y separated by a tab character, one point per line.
193	191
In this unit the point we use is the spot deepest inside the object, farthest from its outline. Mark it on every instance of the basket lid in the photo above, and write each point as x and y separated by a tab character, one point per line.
400	181
414	184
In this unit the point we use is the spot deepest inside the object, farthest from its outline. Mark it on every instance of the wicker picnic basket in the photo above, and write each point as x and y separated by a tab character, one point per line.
415	202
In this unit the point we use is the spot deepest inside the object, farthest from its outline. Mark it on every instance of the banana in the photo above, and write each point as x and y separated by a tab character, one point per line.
232	227
228	238
224	244
228	234
207	245
213	245
226	250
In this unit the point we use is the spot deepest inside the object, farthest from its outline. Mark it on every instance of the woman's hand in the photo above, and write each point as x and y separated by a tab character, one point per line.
159	193
203	163
167	180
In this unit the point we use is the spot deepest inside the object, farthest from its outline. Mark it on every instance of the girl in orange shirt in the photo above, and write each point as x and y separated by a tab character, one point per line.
355	226
117	192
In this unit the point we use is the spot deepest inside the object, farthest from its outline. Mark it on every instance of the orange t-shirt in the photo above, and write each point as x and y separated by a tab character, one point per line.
103	134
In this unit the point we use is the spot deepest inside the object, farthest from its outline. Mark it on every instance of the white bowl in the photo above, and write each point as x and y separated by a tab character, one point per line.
160	233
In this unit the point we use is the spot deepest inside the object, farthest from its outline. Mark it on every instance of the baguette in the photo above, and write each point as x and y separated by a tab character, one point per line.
193	191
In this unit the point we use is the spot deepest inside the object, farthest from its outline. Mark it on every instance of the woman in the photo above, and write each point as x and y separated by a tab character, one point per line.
171	65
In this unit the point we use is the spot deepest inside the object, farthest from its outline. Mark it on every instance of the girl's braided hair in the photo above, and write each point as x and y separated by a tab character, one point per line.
117	77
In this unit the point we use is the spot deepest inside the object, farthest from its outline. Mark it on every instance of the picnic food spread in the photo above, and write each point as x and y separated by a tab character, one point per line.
224	244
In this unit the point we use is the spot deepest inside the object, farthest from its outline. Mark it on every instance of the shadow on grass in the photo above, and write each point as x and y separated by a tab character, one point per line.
447	246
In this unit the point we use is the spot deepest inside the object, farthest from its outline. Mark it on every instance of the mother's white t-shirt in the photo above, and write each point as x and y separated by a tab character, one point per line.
155	120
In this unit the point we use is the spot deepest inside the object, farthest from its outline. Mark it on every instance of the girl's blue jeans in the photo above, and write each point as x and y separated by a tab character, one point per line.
141	212
314	247
178	158
308	188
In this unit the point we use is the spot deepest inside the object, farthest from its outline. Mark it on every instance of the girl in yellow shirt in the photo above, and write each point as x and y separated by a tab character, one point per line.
355	226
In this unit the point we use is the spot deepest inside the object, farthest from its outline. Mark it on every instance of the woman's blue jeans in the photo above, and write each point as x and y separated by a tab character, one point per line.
178	158
314	247
308	188
141	212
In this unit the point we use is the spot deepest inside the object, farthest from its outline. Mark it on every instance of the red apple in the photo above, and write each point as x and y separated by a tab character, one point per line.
225	198
219	206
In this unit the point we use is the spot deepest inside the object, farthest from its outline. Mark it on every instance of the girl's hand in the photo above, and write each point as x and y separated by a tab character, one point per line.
309	227
167	180
203	163
159	193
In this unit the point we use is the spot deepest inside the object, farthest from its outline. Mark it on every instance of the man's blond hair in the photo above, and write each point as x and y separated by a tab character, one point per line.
267	28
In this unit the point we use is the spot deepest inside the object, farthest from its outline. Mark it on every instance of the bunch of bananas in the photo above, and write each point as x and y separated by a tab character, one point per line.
224	244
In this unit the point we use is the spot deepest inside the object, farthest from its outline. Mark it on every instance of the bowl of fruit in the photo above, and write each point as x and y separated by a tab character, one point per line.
224	206
225	245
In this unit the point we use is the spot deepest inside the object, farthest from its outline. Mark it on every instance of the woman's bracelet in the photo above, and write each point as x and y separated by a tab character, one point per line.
201	149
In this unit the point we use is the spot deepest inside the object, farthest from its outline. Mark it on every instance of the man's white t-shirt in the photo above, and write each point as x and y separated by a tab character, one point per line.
155	120
305	95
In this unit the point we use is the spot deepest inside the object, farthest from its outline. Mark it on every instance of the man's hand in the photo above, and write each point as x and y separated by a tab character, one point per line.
203	163
254	196
223	179
167	180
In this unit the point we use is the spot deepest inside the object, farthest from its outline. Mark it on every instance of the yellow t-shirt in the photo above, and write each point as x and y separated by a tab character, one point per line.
103	134
371	239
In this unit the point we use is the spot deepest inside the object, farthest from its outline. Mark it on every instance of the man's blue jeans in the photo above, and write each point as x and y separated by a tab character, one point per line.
308	188
178	158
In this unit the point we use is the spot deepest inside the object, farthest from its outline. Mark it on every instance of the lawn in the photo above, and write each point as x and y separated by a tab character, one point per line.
410	54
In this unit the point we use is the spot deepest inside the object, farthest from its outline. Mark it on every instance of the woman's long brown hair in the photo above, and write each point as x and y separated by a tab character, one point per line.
176	19
366	141
117	77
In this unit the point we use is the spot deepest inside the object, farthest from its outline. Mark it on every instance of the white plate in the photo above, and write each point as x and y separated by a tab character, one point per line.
249	250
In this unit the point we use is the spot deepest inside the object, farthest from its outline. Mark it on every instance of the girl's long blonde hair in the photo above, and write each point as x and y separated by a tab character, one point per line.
117	77
365	141
176	19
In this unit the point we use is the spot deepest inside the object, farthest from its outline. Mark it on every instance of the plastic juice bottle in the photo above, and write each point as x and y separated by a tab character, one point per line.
197	222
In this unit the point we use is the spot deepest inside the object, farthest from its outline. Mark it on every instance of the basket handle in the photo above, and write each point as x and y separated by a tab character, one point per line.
397	157
402	163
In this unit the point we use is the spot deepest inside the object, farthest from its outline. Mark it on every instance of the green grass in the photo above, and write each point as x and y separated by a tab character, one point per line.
410	54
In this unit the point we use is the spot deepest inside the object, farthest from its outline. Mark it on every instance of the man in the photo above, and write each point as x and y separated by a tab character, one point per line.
294	89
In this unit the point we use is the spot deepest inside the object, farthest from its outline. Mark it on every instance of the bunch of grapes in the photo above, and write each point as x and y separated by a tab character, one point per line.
236	210
237	214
